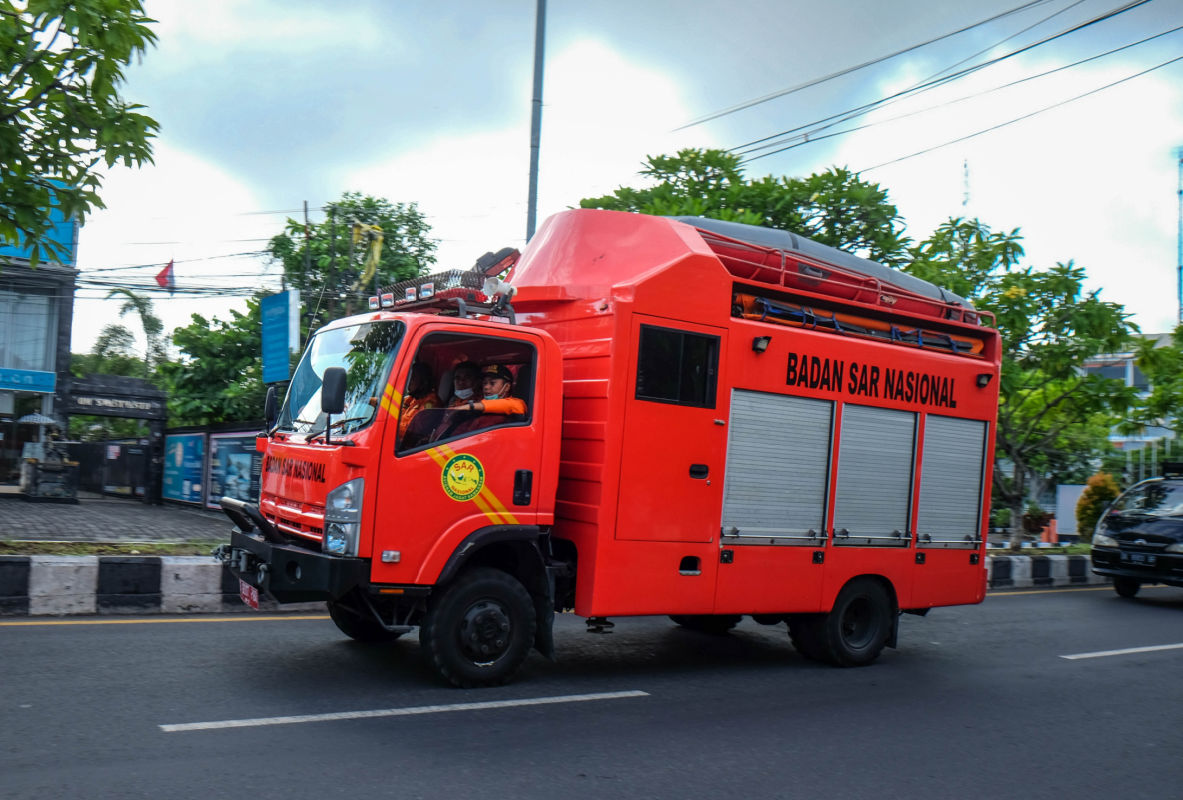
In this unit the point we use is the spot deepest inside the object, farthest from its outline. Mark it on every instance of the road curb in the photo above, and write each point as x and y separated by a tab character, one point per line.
72	585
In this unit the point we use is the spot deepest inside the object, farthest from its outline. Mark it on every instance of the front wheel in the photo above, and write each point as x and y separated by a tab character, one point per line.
1126	587
480	629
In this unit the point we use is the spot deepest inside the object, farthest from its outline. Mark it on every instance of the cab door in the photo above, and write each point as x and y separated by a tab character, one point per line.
675	436
462	471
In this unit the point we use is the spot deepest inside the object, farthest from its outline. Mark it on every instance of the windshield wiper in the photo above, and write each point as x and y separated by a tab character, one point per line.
337	422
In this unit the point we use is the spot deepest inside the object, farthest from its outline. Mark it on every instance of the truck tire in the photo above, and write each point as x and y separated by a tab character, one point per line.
856	630
717	624
805	634
479	630
357	626
1126	587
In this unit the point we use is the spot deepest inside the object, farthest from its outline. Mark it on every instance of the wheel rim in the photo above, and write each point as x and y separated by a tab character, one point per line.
485	632
859	626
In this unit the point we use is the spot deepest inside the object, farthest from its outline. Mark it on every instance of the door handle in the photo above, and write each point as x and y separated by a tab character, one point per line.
699	471
523	485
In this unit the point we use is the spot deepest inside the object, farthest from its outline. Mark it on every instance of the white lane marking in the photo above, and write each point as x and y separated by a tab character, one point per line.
1125	652
397	712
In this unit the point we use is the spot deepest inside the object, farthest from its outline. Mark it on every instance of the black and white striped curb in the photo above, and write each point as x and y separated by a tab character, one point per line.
65	585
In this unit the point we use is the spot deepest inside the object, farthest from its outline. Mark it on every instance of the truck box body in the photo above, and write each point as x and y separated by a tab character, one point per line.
626	498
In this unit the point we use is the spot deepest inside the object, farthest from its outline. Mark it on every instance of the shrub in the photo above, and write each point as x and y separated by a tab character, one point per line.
1100	490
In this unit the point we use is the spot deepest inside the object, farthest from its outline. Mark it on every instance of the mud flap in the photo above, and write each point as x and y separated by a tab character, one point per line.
544	612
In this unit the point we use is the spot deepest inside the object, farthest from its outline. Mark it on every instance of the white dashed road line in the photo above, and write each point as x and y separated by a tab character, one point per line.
1125	652
397	712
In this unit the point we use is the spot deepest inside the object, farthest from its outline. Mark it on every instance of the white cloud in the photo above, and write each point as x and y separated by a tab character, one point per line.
180	208
473	185
1093	181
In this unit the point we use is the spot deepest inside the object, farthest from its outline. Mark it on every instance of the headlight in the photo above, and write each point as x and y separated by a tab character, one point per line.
343	518
1175	548
1103	540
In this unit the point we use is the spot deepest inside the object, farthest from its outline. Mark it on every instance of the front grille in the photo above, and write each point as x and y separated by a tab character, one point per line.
305	520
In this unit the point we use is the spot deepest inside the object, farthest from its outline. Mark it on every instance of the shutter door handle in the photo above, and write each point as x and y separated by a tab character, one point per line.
699	471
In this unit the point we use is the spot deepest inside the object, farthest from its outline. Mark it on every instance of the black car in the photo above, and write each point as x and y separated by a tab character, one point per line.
1139	539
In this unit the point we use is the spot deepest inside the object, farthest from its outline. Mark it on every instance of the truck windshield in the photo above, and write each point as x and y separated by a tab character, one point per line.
365	352
1160	499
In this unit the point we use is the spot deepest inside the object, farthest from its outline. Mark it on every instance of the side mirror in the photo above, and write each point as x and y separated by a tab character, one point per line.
332	391
271	407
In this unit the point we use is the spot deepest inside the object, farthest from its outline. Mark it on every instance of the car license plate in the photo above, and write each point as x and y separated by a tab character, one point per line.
249	594
1145	559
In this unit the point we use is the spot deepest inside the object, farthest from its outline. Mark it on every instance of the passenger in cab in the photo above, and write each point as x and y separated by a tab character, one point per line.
419	396
465	382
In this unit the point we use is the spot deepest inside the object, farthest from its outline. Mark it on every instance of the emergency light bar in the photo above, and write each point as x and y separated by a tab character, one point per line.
467	284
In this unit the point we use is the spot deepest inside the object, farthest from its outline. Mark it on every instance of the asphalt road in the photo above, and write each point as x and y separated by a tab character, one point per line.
978	702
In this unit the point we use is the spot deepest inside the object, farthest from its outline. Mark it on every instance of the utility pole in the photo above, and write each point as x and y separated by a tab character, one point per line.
1179	271
536	119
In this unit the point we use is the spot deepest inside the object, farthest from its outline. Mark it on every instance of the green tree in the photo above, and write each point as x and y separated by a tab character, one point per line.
61	116
1162	363
156	347
834	207
329	268
1050	413
1100	490
219	376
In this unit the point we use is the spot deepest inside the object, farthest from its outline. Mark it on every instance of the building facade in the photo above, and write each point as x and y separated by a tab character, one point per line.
36	311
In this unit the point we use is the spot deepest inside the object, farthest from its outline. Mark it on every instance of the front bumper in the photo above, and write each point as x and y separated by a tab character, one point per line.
1167	567
291	574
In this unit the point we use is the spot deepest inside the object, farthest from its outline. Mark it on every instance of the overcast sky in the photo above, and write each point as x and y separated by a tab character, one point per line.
266	104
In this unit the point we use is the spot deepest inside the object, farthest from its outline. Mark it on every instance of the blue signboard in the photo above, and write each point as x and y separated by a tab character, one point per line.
63	233
235	468
184	463
27	380
281	334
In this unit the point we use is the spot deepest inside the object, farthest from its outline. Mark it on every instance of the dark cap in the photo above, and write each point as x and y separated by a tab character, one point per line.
497	371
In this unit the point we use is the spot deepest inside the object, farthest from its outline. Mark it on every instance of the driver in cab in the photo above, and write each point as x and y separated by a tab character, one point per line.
496	383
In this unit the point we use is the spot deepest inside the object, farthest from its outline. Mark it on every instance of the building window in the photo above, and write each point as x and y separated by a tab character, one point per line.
677	367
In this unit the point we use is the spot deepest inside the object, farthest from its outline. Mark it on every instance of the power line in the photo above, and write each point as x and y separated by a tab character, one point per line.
815	81
1023	117
982	93
833	119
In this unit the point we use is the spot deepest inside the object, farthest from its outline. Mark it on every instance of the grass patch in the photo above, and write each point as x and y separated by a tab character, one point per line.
196	548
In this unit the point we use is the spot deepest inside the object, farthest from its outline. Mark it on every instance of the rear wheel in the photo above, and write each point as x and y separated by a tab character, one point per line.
480	629
717	624
856	630
805	634
1126	587
359	624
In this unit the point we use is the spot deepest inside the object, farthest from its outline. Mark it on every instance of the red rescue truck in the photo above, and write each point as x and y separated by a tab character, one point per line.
715	420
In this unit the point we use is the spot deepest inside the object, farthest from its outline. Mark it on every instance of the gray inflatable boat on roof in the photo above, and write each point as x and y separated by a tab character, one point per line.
776	239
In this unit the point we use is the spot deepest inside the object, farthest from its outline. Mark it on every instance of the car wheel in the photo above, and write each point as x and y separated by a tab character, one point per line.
480	629
1126	587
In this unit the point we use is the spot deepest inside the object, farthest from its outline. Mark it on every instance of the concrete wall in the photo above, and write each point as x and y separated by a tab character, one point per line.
64	585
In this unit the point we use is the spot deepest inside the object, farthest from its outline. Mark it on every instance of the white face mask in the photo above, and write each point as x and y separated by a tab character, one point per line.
464	394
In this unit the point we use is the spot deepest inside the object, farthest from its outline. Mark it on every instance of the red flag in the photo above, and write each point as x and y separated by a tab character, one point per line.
165	279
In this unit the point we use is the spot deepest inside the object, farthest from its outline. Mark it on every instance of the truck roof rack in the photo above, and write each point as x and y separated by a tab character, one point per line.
787	262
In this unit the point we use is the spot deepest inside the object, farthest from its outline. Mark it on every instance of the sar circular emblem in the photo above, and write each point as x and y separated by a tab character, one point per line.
463	477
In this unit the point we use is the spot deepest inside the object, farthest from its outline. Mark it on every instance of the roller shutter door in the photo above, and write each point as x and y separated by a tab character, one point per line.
873	496
950	502
778	454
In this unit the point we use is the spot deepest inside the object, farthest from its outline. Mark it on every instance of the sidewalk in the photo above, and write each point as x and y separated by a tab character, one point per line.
108	519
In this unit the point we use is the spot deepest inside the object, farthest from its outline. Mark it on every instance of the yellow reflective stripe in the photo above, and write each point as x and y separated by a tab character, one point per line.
489	503
392	399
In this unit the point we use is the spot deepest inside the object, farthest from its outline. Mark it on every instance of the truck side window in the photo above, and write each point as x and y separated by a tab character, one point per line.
677	367
448	356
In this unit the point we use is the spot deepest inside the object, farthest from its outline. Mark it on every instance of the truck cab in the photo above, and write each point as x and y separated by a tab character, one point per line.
370	423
